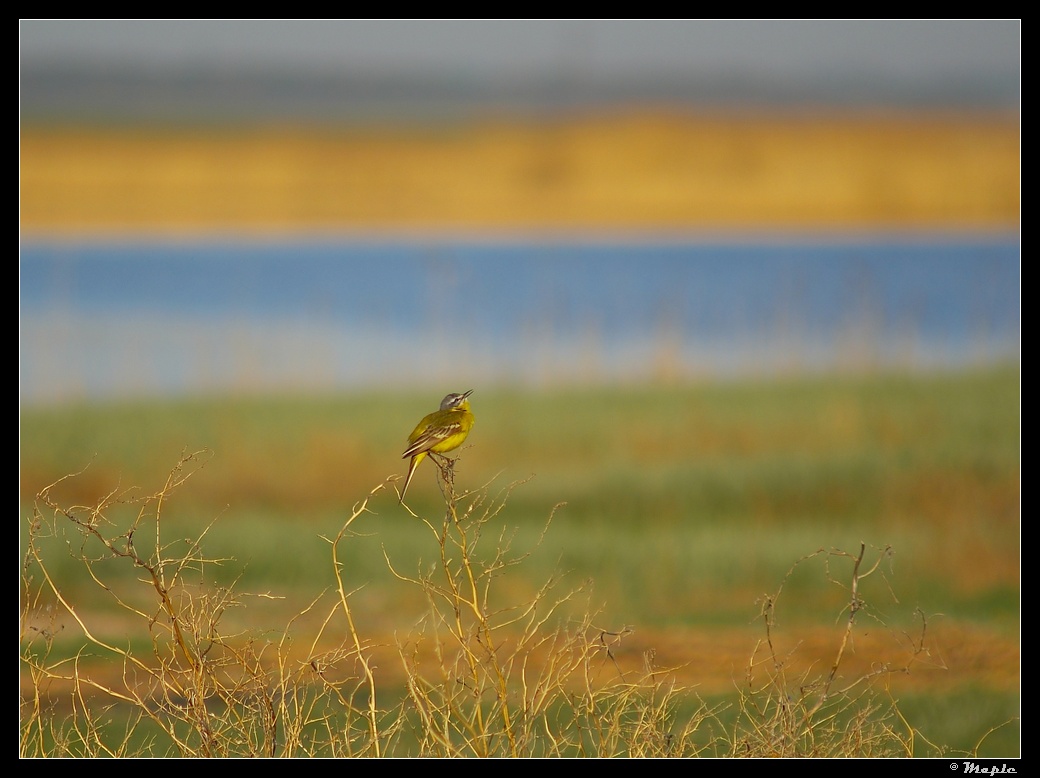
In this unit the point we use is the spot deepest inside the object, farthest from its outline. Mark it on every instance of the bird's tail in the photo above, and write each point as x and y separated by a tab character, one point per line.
411	471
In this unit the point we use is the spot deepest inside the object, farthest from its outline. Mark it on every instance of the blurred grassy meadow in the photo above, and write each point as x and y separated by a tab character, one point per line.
677	506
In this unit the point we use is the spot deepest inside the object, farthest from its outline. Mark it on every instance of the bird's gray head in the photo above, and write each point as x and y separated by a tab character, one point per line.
454	400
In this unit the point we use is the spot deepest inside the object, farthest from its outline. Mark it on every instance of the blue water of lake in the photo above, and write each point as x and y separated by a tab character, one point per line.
122	319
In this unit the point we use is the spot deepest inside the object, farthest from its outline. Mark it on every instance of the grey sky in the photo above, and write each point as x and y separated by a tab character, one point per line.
794	49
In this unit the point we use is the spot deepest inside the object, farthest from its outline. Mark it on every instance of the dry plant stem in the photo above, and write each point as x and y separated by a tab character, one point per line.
359	652
855	605
190	682
794	728
465	589
172	691
475	600
156	568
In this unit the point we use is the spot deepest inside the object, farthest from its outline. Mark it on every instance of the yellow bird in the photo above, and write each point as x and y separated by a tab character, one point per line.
438	432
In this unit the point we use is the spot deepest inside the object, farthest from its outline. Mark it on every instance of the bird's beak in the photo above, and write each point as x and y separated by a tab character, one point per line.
467	394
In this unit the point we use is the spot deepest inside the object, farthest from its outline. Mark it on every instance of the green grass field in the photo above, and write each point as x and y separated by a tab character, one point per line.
676	512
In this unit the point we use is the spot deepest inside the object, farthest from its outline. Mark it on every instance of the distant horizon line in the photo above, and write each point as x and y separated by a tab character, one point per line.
87	87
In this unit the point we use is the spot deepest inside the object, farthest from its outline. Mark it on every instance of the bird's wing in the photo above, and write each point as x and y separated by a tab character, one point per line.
431	438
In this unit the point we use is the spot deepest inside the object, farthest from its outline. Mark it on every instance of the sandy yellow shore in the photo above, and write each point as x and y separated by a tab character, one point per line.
662	171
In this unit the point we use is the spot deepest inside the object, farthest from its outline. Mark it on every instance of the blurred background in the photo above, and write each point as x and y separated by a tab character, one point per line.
242	206
734	291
